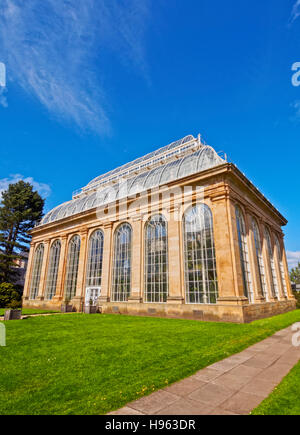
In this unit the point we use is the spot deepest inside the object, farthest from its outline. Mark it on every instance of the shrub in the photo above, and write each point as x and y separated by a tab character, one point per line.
9	297
15	304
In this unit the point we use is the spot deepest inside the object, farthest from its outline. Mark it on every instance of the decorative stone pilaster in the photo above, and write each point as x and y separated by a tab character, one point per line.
229	272
106	265
278	273
28	272
61	270
286	274
41	293
255	272
176	292
136	260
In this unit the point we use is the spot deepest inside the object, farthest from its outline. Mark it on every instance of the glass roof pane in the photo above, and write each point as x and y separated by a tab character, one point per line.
90	201
62	211
208	158
138	184
170	172
153	178
188	166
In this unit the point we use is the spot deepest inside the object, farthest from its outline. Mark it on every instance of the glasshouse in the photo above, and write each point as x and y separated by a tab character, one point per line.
180	232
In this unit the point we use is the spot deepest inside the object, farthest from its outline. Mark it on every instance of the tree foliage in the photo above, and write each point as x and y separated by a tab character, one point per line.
295	274
20	209
9	297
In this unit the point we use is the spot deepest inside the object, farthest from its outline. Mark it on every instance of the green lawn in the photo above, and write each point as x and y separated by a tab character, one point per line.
285	399
83	364
28	311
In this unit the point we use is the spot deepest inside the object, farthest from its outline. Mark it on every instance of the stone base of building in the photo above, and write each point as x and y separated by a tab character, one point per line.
54	304
268	309
213	313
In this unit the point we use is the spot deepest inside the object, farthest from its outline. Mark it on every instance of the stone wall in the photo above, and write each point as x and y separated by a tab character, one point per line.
213	313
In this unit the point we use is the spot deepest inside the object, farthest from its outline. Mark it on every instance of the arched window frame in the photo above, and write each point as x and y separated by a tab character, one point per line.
273	275
281	268
259	257
121	276
52	273
201	282
156	260
36	271
244	253
72	266
95	259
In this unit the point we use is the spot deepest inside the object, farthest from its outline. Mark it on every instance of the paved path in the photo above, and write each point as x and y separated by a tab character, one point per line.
235	385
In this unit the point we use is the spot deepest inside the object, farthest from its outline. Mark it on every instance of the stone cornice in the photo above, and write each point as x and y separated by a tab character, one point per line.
236	173
220	194
108	225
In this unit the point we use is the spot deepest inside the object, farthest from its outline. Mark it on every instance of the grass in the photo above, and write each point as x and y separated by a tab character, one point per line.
285	399
83	364
28	311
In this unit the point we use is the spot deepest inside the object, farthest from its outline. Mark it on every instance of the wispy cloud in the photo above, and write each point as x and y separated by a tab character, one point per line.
295	11
54	49
3	99
293	258
43	188
296	107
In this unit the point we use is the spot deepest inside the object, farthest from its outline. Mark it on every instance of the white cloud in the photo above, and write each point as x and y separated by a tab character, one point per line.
295	11
53	49
293	258
43	188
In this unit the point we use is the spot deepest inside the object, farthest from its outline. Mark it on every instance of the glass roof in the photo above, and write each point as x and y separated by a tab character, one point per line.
204	158
140	160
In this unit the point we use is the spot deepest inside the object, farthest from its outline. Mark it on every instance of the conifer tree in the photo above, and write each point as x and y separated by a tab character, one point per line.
20	209
295	274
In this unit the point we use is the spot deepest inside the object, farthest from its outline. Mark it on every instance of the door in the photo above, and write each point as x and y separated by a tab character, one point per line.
91	296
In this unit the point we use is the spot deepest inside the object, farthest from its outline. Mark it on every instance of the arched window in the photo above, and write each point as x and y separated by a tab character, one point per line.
156	260
242	238
201	284
36	272
274	283
121	283
72	267
259	257
280	253
53	270
95	259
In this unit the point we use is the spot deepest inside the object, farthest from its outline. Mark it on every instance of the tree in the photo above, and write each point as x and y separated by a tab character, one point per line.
9	297
20	209
295	274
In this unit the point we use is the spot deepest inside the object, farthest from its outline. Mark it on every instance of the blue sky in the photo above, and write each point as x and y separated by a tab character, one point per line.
92	84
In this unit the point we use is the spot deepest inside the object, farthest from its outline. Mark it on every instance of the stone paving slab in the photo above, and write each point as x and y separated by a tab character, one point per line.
185	406
233	386
185	387
242	403
154	402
